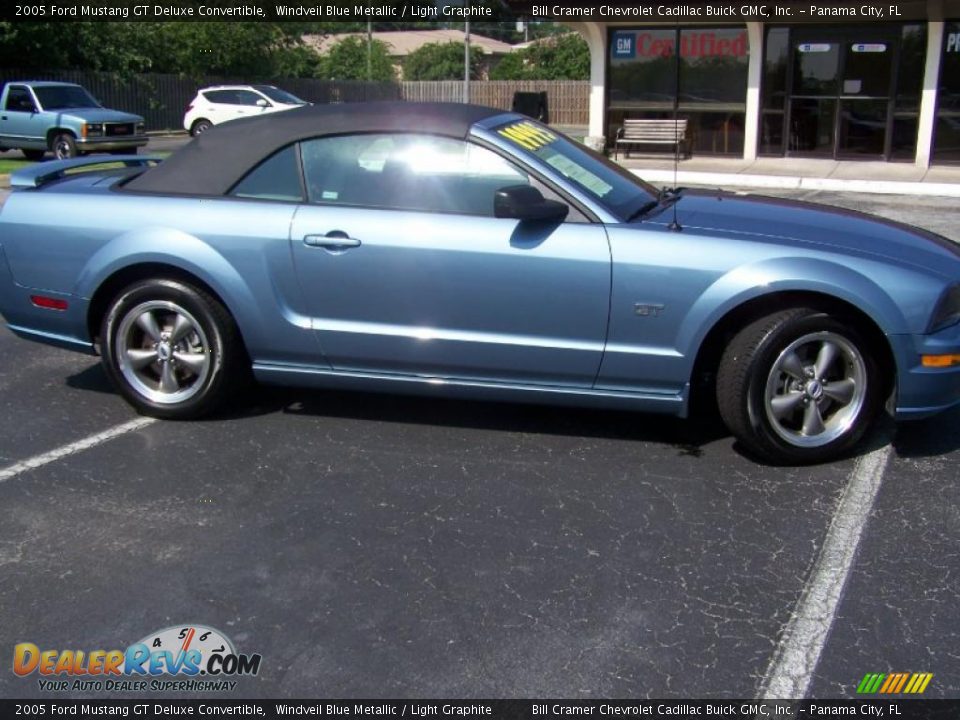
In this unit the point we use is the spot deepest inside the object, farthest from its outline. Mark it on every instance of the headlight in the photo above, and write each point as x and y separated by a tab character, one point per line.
93	130
948	309
141	128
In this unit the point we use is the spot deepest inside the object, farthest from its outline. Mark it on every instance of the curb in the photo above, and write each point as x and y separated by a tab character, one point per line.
783	182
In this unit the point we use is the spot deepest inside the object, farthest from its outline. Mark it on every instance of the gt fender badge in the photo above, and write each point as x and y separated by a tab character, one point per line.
647	309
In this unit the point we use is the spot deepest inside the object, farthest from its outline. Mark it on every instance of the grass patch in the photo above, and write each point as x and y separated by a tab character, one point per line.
8	165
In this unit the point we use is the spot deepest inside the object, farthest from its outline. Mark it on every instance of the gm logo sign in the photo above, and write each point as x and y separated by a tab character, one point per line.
624	45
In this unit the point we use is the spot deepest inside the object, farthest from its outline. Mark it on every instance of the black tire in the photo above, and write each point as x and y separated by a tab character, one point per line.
773	405
64	146
200	126
187	376
35	155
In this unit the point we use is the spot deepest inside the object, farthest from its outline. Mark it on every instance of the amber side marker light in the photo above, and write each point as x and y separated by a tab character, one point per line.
940	361
48	302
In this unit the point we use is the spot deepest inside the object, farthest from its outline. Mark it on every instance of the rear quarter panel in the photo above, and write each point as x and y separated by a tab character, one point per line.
70	237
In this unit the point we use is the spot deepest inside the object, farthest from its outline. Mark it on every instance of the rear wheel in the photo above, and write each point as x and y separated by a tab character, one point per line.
200	126
798	387
64	146
172	349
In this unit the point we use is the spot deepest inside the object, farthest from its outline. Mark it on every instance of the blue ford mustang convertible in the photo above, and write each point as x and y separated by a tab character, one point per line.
457	249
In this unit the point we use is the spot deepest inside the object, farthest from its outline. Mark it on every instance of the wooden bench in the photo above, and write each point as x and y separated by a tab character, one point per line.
652	132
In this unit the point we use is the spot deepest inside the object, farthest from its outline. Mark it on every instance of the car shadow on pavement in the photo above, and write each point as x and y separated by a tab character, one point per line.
935	436
92	379
939	435
687	436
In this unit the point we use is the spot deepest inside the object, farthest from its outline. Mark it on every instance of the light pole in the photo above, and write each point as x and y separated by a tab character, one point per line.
466	63
369	50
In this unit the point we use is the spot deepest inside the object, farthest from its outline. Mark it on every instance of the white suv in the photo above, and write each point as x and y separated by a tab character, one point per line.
217	104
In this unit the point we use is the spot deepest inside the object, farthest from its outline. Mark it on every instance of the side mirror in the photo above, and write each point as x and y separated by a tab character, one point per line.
523	202
262	103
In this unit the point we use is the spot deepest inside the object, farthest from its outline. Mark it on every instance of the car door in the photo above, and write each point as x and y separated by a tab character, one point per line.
16	119
250	103
406	270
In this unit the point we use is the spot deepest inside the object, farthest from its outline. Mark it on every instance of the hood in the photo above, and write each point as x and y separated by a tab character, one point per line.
98	115
814	227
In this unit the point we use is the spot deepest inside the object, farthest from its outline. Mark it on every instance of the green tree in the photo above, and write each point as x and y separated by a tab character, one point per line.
196	49
440	61
247	49
107	46
347	60
564	57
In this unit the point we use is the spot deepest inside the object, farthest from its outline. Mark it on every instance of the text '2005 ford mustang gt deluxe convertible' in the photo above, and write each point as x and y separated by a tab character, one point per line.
458	249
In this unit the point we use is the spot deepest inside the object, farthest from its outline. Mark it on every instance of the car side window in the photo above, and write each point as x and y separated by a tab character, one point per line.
247	97
221	97
18	99
406	172
276	178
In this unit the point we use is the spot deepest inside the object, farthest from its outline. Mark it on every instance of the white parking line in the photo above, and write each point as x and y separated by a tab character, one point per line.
79	446
795	660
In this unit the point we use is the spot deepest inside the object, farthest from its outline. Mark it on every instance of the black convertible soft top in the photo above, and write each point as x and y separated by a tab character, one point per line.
215	161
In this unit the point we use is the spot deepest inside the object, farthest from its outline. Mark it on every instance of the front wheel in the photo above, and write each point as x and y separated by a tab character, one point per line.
172	350
798	387
64	147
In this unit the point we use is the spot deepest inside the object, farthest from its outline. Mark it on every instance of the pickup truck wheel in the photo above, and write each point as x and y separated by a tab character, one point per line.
200	126
35	155
798	387
64	147
172	350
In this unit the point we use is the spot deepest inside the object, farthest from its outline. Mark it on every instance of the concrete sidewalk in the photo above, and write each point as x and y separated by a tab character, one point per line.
800	174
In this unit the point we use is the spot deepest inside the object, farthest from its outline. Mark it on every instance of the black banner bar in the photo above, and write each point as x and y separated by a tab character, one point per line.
891	709
633	11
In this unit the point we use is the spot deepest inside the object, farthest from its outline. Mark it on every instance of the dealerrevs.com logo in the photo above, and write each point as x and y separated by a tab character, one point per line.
178	658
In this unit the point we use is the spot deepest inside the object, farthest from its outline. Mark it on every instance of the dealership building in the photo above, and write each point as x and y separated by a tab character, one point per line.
840	87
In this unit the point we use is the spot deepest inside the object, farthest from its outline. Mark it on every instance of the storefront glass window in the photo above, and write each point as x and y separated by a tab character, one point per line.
776	57
946	144
643	69
906	112
705	82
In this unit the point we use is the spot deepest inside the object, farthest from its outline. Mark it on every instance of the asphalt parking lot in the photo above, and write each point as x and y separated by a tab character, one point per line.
371	546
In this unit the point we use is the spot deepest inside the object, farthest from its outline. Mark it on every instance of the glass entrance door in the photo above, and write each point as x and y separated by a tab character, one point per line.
840	96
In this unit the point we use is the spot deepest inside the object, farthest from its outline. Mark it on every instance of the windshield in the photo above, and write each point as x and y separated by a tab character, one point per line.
618	190
62	97
280	96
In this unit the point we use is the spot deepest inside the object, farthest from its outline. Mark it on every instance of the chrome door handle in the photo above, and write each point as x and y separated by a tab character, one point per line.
333	240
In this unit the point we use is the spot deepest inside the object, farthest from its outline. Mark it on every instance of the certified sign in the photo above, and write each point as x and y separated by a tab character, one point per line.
868	47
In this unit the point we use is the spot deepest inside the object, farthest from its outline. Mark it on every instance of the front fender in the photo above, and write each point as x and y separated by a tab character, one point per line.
866	288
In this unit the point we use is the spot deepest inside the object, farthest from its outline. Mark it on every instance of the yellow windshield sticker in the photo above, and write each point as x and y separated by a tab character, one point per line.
527	135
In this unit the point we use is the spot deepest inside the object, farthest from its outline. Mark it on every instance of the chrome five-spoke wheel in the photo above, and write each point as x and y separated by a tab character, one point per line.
172	349
163	352
815	389
800	385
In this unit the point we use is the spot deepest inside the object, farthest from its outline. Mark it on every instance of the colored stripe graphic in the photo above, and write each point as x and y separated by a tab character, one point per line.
899	686
894	683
